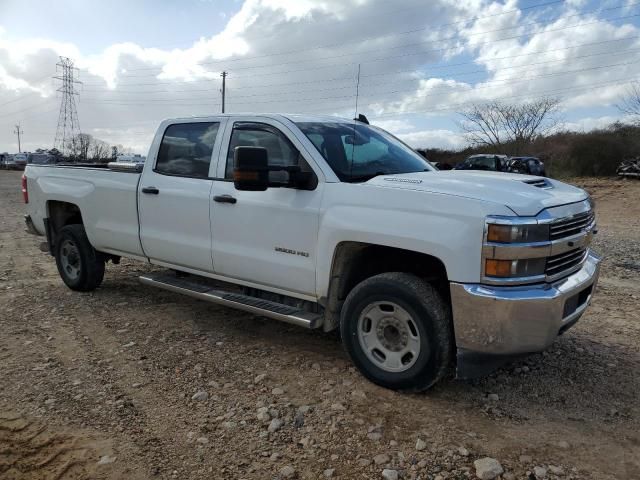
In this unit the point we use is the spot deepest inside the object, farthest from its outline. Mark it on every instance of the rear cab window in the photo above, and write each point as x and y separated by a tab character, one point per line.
186	149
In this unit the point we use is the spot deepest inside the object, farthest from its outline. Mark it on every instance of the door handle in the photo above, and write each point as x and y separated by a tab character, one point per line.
151	190
224	199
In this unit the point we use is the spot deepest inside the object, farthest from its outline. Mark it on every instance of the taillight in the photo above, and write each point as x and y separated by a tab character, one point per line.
25	192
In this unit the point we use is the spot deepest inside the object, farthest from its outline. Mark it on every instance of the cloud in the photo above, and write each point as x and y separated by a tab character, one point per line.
445	139
395	126
302	56
593	123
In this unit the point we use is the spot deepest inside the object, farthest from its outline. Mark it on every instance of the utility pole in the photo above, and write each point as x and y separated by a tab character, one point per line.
18	131
224	77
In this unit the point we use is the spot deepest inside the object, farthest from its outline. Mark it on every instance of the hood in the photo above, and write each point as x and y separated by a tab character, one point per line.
526	195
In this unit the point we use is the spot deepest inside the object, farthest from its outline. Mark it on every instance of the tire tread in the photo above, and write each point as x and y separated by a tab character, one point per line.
439	312
92	262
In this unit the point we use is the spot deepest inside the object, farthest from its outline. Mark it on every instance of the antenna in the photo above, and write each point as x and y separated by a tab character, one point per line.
68	125
355	114
355	120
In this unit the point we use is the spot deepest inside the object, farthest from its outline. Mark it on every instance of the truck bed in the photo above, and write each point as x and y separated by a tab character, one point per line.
106	196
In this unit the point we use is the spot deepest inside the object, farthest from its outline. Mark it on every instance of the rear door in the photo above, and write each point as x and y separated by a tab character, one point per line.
174	195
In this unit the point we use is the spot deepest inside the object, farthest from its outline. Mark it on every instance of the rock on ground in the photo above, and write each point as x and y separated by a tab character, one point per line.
287	472
200	396
388	474
381	459
488	468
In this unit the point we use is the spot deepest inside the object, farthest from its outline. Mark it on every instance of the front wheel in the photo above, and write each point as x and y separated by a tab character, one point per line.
397	330
80	266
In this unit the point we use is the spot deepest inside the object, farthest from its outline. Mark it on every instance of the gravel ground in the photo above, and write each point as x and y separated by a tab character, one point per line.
131	382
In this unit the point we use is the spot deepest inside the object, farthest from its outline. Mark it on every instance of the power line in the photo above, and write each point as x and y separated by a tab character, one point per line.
404	46
439	40
378	95
345	78
621	81
21	97
393	34
31	107
394	12
135	95
424	52
591	86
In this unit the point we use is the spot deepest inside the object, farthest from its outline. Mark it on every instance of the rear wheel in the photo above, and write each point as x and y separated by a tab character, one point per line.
80	266
397	330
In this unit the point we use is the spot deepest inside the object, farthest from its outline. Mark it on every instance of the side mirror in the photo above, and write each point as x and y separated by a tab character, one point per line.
251	169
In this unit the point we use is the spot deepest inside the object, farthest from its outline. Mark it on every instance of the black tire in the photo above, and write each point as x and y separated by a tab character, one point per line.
429	314
87	263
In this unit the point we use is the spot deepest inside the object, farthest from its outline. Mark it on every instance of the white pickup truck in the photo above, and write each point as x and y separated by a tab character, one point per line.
334	224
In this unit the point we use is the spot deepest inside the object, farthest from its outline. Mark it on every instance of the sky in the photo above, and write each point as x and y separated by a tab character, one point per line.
420	63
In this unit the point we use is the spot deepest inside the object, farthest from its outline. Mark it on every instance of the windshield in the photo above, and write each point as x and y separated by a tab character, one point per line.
40	159
357	152
483	162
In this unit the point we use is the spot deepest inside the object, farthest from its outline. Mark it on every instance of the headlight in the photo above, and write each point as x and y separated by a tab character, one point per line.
514	250
525	233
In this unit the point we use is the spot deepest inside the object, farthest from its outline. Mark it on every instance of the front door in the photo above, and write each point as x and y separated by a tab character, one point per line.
174	197
267	238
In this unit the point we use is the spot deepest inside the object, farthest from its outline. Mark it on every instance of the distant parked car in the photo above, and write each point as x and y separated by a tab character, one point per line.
486	162
442	165
19	161
41	159
528	165
137	158
14	162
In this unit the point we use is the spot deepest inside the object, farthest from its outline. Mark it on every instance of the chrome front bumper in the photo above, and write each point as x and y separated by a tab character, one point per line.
524	319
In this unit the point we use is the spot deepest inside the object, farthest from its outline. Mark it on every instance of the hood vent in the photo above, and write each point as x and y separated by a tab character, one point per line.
539	182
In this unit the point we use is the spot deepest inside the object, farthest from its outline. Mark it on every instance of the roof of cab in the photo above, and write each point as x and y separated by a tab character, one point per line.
294	117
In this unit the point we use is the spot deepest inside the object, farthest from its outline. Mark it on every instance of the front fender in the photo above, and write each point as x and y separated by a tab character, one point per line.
447	227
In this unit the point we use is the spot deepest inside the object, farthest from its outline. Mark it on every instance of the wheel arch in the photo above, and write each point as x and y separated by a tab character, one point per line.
59	215
354	262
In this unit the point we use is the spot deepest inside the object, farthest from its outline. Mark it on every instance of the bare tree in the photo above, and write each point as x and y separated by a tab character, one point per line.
100	151
87	148
630	103
502	125
79	146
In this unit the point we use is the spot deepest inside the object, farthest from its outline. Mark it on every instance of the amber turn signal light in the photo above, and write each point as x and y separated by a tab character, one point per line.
497	268
499	233
244	175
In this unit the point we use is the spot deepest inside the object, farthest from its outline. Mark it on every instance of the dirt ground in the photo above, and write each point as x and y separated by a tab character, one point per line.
100	385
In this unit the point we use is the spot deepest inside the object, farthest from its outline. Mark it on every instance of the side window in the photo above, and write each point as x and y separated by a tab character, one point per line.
186	149
279	148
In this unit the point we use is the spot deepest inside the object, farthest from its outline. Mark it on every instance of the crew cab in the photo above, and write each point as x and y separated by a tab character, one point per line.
333	224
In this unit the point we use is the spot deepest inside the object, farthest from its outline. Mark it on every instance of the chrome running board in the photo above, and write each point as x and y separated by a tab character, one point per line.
257	306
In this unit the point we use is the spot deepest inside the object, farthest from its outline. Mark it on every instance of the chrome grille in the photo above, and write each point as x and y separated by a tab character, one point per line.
567	227
558	264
